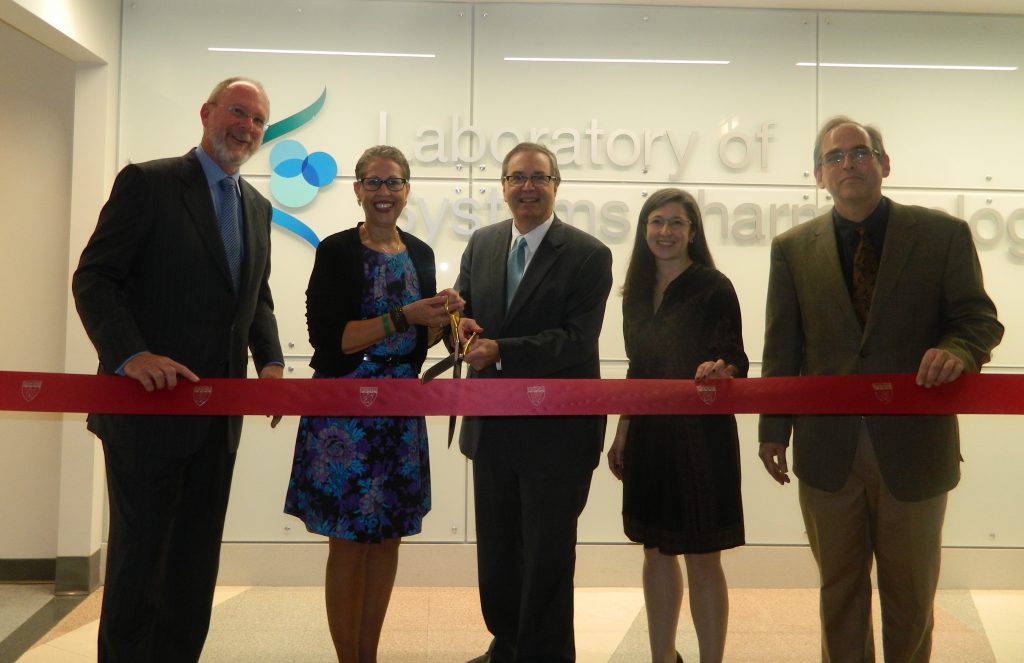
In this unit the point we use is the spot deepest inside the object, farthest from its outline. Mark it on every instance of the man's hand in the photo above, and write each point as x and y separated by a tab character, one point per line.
773	455
938	367
482	353
272	372
468	327
157	371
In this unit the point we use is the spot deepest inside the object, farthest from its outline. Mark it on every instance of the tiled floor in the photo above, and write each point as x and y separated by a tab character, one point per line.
443	624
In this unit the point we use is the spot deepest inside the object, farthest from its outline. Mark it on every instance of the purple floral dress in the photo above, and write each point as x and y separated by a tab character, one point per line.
366	478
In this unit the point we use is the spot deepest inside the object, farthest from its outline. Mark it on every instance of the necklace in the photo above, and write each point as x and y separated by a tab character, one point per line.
390	246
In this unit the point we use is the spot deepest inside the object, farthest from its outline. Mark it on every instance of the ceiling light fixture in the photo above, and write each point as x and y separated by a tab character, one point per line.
944	67
614	60
289	51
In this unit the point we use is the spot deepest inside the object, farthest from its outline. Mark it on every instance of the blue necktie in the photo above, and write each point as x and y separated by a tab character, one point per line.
515	268
230	232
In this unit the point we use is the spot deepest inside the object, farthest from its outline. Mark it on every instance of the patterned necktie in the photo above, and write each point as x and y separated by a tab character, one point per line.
515	268
865	271
230	233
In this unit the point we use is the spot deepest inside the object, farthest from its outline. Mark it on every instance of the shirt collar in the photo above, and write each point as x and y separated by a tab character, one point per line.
214	173
874	224
535	236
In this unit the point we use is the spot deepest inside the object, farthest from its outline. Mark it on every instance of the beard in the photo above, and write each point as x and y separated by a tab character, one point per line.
228	157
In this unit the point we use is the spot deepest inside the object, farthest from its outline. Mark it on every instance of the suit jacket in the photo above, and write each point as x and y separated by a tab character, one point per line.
154	277
550	331
928	293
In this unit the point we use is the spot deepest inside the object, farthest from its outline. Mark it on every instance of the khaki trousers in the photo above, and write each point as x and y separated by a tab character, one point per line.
847	530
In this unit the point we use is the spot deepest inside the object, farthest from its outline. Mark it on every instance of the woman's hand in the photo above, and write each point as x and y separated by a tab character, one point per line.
428	312
455	302
617	452
434	311
714	370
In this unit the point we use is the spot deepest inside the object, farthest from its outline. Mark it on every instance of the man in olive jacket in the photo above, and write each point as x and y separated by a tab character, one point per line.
873	486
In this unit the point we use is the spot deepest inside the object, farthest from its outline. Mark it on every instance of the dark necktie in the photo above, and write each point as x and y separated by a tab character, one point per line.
230	232
865	271
516	266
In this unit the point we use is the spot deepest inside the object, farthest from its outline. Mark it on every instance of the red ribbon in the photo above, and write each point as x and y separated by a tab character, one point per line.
848	394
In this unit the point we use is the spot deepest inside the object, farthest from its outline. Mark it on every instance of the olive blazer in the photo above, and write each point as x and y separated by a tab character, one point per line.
929	293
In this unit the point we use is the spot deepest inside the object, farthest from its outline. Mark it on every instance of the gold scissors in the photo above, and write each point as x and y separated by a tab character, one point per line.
453	360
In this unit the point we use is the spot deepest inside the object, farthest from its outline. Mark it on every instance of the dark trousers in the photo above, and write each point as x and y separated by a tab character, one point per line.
166	524
526	555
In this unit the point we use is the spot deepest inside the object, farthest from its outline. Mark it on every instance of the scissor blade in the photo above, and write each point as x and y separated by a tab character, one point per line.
451	430
437	369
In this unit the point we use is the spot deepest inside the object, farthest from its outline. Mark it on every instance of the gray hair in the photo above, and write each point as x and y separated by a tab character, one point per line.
227	82
532	147
382	152
873	134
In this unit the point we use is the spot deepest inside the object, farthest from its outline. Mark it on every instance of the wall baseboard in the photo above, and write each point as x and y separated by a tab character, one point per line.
27	570
77	575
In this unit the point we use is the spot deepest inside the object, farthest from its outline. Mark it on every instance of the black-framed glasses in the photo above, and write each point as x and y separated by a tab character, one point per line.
240	113
858	155
537	180
374	183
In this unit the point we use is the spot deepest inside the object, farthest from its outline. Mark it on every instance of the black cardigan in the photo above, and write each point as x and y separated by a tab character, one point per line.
334	295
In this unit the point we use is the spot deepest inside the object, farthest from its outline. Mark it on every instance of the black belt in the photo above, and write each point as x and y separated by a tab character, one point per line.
388	360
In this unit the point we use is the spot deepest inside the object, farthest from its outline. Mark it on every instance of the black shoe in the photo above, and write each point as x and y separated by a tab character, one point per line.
482	658
679	658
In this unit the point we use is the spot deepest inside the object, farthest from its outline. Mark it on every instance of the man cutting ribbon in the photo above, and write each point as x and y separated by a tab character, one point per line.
535	291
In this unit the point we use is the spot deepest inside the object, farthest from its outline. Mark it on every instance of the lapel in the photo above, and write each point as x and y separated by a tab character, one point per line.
899	242
826	269
195	195
495	252
536	272
251	232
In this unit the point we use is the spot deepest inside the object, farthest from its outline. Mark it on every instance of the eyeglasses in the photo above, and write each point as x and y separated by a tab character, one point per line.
858	154
520	180
374	183
241	114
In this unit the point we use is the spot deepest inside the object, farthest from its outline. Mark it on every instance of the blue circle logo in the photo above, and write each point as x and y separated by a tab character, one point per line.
297	176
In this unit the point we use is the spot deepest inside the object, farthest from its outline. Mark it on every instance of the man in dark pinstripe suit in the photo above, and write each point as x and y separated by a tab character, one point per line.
167	289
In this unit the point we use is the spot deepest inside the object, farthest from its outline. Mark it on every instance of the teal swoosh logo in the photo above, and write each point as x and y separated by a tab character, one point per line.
293	122
291	224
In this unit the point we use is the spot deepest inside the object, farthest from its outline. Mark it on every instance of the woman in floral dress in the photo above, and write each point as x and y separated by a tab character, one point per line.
364	482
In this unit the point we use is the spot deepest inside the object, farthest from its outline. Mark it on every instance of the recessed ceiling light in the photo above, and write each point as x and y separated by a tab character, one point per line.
945	67
289	51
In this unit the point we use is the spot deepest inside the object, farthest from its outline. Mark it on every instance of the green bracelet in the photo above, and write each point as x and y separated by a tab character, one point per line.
387	324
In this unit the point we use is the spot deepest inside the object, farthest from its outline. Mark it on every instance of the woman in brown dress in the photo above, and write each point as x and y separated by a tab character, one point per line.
680	473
